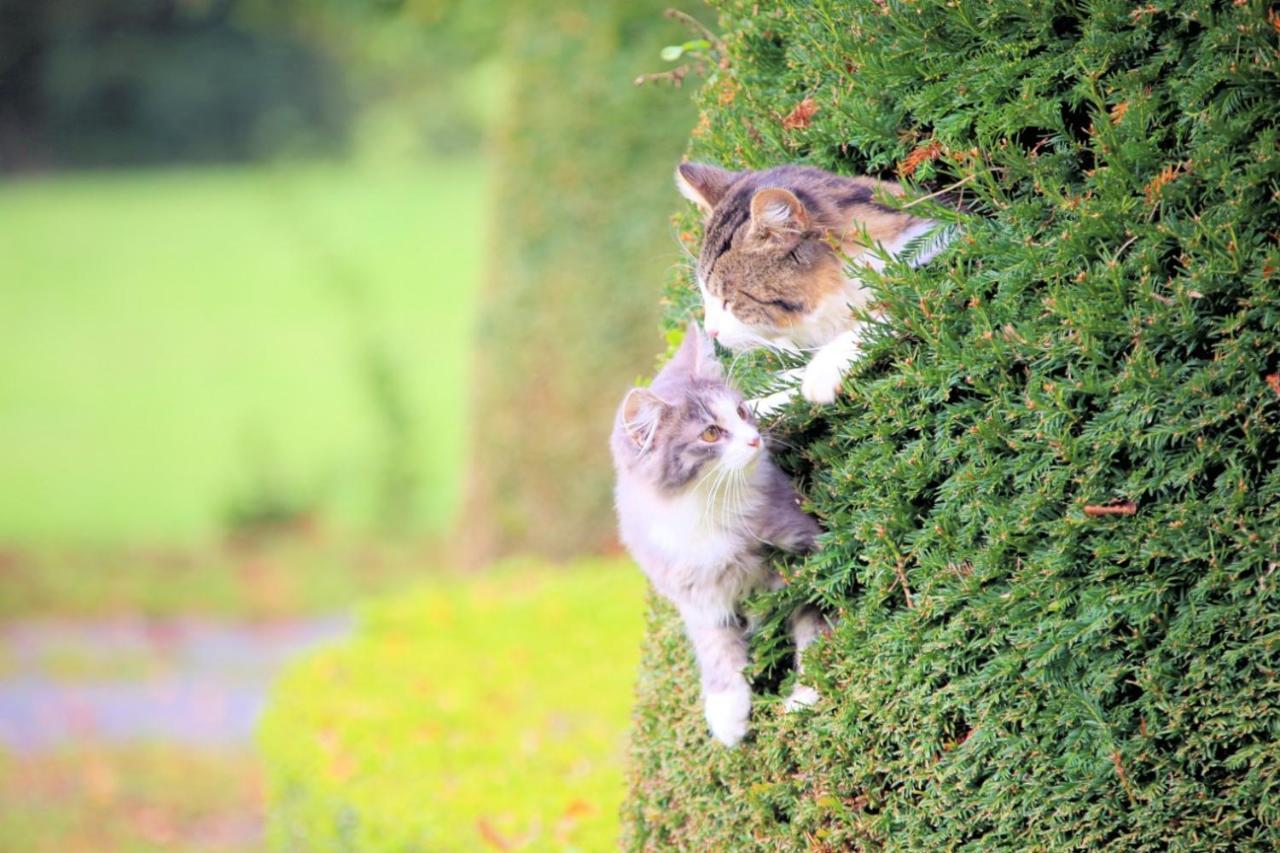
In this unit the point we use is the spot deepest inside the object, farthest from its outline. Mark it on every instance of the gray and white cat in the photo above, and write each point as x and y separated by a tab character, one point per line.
700	505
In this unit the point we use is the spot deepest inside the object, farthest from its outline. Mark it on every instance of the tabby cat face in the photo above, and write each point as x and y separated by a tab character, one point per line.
767	270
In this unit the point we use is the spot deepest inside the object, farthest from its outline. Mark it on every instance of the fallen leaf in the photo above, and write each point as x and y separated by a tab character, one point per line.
727	93
579	808
491	835
801	115
1126	508
1160	181
924	153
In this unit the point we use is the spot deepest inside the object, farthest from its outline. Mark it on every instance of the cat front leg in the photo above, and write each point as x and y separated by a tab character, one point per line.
807	624
785	525
790	528
721	651
825	372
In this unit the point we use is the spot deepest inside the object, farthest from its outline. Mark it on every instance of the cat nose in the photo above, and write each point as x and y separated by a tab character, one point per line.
713	333
754	442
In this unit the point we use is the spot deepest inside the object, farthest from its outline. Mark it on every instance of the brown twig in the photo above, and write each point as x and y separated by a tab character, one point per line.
902	579
947	189
675	76
1096	511
696	26
1124	777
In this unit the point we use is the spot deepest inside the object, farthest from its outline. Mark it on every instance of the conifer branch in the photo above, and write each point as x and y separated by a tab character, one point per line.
696	27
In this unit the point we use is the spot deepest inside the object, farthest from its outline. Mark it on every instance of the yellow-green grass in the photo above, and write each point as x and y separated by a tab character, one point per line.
275	578
483	710
144	797
168	336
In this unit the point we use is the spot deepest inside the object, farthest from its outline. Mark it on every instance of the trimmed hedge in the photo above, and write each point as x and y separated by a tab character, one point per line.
476	711
1014	669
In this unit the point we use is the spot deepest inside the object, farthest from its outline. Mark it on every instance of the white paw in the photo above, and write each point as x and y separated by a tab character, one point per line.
727	714
824	376
802	696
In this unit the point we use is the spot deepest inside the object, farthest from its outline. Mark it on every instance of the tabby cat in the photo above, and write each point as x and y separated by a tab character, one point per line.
772	268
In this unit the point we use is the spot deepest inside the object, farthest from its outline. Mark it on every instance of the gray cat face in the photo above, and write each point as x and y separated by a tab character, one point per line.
688	423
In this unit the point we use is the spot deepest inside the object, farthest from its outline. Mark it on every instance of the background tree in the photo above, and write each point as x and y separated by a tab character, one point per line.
580	249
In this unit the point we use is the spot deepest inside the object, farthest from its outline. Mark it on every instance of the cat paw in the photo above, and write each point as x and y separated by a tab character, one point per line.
802	696
727	715
823	377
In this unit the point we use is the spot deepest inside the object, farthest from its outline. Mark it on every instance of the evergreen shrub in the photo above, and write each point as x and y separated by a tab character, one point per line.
1052	489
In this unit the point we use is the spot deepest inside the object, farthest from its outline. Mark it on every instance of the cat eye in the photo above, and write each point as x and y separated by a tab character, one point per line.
711	433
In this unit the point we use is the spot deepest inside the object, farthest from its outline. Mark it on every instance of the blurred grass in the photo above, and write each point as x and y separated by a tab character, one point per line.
478	711
275	578
178	341
130	798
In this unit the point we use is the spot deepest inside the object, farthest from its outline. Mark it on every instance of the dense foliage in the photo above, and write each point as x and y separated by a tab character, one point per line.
479	711
147	81
139	82
581	246
1052	490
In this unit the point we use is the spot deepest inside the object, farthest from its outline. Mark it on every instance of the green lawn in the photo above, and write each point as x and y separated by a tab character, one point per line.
176	342
143	797
480	711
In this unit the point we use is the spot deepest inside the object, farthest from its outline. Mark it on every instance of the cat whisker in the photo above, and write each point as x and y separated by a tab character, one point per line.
743	489
773	441
734	505
733	365
713	475
727	506
684	249
768	344
714	495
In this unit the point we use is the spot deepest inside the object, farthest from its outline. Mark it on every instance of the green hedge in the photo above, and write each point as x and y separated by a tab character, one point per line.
1011	670
480	710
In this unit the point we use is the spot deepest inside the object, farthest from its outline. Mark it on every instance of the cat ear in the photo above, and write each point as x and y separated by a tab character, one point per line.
776	209
696	356
641	411
705	363
703	184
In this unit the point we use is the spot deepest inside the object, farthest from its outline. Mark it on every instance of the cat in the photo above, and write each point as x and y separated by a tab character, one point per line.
769	270
700	505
